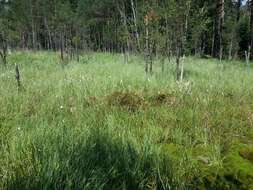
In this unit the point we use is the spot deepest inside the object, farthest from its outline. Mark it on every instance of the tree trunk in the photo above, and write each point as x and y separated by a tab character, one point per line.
221	23
17	76
230	49
62	45
126	47
185	28
151	54
33	26
163	63
251	27
147	49
48	33
178	73
182	71
135	25
247	55
3	55
3	50
239	3
234	34
218	39
213	39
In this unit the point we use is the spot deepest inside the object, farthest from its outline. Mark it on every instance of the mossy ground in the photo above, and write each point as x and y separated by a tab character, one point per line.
103	124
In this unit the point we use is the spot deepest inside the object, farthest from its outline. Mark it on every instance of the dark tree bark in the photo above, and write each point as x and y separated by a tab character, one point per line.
3	55
49	35
178	63
251	27
17	76
3	50
62	45
239	4
218	31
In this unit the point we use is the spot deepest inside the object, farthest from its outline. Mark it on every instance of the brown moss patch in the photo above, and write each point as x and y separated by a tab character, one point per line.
247	153
90	101
128	100
163	98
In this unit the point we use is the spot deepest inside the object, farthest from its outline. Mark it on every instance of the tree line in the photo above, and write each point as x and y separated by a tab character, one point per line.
218	28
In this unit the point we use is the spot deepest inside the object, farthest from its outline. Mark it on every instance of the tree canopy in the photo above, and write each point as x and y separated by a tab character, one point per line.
199	27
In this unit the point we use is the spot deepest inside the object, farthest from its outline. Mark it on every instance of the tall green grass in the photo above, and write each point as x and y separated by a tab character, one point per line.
103	124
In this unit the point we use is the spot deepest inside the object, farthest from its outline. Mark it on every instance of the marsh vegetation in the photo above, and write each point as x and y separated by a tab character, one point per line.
102	124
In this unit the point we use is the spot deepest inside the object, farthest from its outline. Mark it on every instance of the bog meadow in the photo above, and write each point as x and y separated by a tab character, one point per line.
128	94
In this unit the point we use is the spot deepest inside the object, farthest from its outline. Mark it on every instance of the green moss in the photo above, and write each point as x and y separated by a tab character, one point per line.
238	166
209	176
235	173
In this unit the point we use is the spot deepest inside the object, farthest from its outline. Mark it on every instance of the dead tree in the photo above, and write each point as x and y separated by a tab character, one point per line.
3	54
18	78
182	70
3	50
247	55
62	45
178	56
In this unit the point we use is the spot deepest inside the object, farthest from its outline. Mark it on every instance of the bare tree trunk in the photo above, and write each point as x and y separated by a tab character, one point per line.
77	51
218	39
3	55
3	50
230	49
147	49
239	4
178	73
185	28
251	27
62	45
135	24
221	23
49	33
151	54
213	39
33	26
163	63
33	37
17	76
247	55
124	21
182	70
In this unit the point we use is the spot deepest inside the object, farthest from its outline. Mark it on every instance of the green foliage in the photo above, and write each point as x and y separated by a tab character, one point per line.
100	25
244	34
